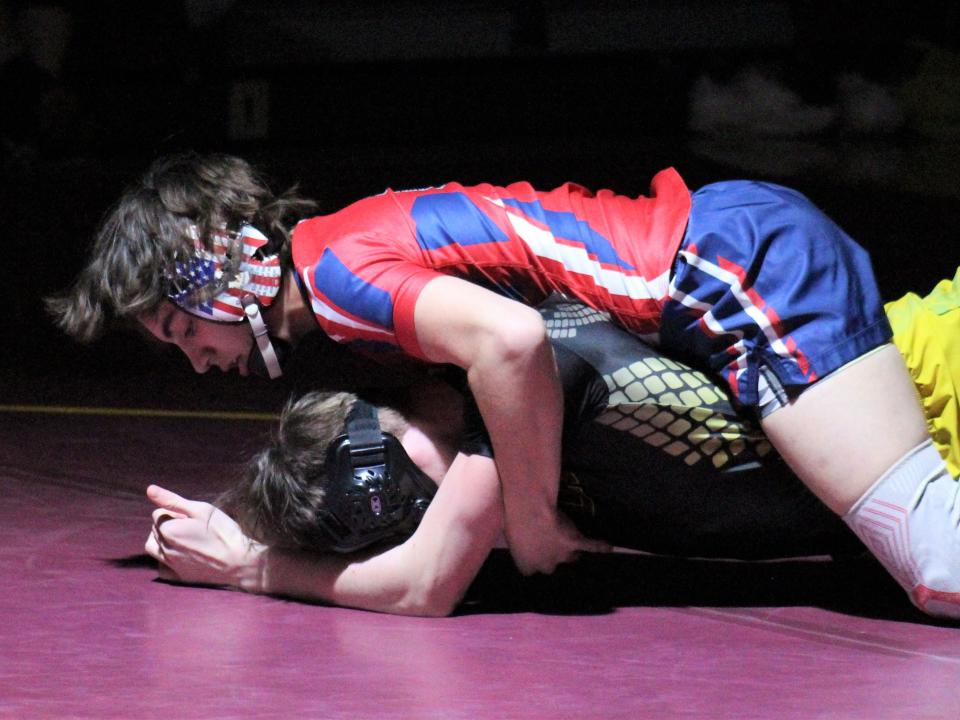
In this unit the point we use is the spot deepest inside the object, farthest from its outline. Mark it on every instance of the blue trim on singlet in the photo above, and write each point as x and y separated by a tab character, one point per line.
351	293
444	219
567	226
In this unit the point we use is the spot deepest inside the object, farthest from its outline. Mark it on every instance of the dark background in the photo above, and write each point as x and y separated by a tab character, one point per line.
856	104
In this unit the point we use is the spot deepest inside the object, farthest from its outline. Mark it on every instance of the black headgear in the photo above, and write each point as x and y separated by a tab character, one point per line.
374	491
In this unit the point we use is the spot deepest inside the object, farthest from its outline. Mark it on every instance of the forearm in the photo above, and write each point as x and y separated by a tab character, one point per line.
504	348
369	583
520	399
427	575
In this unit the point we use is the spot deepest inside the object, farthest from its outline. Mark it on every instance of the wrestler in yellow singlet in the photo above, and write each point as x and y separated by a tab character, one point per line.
927	332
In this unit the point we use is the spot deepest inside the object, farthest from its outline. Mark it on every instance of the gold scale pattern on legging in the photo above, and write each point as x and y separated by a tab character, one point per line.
667	404
677	409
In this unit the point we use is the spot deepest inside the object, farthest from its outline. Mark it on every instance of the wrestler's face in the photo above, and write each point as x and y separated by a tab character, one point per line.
205	343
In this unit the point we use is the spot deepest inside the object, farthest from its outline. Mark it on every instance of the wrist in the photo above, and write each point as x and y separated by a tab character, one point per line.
252	571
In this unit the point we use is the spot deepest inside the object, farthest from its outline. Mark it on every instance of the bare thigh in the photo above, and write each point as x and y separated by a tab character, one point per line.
841	435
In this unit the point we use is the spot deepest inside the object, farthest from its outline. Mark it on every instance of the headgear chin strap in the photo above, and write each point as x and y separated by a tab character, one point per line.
374	492
261	339
231	282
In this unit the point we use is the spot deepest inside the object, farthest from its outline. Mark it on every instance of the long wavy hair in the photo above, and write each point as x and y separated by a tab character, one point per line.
140	237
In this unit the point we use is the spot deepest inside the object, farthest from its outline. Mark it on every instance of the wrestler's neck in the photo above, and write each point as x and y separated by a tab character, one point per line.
428	452
431	429
288	317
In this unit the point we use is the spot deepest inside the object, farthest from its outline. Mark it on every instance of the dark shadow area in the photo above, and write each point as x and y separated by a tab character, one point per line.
602	583
133	561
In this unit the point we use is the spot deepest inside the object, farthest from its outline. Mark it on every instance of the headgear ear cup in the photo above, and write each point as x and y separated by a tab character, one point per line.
374	492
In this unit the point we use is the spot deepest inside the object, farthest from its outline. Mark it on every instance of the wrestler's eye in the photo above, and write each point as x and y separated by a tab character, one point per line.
191	329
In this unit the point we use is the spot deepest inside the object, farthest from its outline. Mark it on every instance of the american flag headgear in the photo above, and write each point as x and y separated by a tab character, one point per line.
230	283
213	282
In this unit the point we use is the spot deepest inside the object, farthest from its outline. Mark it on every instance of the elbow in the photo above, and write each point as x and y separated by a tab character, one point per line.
518	338
424	606
435	610
436	592
432	600
526	333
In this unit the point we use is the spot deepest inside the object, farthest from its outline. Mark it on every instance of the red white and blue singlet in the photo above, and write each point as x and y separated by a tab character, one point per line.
737	278
365	265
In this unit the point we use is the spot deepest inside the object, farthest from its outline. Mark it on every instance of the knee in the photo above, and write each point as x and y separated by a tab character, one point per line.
910	520
938	603
936	553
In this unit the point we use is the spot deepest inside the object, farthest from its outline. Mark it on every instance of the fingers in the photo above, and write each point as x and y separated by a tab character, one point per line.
590	545
157	545
566	544
577	540
177	505
160	540
546	562
152	546
569	554
163	543
156	548
161	515
598	546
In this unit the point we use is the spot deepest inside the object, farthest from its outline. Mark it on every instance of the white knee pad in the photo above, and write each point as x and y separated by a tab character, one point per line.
910	520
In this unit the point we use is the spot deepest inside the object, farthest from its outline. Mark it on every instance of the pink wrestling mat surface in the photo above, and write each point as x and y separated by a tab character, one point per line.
89	633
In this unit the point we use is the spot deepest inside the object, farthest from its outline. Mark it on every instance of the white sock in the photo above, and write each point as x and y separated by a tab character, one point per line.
910	520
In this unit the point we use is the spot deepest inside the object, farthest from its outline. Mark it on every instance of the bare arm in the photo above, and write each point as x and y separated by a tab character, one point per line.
426	575
430	572
503	346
